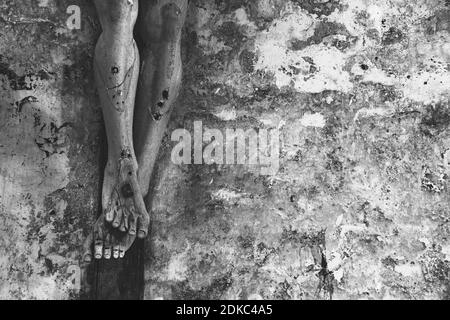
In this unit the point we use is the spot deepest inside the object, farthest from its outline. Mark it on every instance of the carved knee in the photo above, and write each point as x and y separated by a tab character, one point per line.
172	22
114	13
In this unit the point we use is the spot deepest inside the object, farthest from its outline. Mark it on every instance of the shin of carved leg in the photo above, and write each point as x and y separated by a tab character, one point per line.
169	67
162	72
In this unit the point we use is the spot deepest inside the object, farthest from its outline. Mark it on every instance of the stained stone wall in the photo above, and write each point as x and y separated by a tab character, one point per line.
49	146
358	90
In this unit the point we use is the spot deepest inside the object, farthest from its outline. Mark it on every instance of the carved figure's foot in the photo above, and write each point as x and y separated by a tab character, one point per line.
122	200
107	243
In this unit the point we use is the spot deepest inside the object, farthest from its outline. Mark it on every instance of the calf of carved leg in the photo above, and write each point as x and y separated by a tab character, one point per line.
160	26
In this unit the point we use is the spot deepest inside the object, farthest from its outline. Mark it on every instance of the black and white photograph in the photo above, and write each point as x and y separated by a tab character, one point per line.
258	151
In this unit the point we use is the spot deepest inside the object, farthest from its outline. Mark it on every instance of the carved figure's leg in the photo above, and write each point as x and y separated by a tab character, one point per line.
160	24
116	72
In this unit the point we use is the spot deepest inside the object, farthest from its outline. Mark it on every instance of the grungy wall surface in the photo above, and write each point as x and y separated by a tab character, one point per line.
49	147
358	90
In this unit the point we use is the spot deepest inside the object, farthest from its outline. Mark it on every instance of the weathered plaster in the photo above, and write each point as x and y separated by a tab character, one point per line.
49	146
359	208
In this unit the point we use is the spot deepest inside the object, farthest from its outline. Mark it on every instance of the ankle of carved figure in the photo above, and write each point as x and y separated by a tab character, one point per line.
119	153
127	172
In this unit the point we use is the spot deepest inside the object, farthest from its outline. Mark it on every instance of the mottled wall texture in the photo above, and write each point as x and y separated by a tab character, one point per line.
359	209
